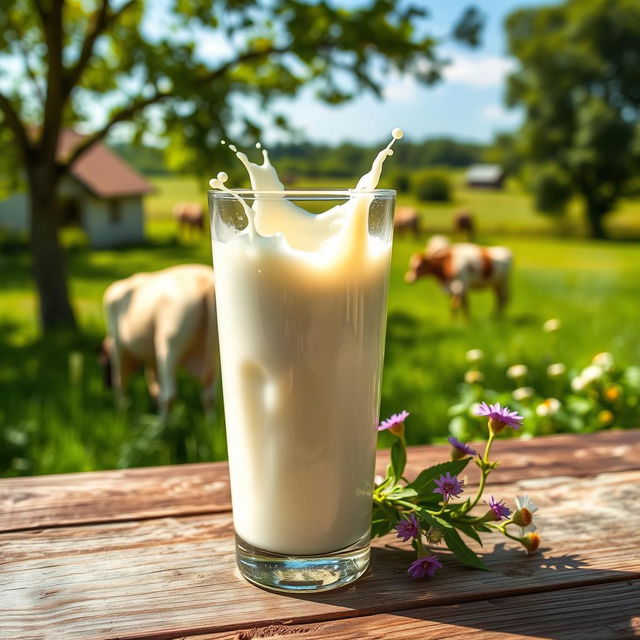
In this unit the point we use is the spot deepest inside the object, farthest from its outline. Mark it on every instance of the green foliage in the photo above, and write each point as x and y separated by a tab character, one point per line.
577	400
347	160
551	189
432	186
578	84
147	160
401	181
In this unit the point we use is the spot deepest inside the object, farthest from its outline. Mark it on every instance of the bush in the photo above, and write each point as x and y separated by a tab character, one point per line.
401	182
432	187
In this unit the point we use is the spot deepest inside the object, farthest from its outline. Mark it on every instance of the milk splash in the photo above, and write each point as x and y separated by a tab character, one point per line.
290	226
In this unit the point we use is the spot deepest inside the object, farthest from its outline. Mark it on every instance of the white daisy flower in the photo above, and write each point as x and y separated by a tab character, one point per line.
525	502
591	373
475	355
604	360
523	393
551	325
517	371
548	407
556	370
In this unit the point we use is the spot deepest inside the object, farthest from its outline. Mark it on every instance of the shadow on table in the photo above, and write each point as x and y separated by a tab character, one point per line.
543	596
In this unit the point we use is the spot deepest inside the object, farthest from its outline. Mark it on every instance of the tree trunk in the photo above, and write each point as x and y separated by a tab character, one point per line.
595	212
49	265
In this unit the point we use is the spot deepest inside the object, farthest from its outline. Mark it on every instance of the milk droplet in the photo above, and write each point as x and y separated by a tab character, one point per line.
223	142
233	147
222	176
258	145
397	133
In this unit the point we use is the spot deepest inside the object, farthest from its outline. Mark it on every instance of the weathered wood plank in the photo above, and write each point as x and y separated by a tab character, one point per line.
203	488
171	577
606	612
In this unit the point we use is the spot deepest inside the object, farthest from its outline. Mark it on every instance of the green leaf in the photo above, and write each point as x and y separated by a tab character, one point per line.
431	520
457	545
425	482
401	493
452	539
383	519
398	457
469	531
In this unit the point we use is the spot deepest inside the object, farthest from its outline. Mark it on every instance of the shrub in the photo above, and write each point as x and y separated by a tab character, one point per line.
432	187
401	182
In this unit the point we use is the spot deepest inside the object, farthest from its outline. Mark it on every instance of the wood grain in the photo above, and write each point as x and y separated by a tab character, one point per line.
135	494
171	577
606	612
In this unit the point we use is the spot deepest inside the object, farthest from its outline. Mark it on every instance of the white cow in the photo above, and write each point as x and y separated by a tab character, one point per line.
461	267
163	320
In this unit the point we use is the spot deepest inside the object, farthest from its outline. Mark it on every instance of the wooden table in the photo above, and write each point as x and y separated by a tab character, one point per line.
148	553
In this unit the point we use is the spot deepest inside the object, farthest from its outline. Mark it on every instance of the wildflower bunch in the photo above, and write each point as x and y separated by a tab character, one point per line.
428	511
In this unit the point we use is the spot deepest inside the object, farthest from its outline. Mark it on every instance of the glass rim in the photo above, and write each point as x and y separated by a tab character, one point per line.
303	194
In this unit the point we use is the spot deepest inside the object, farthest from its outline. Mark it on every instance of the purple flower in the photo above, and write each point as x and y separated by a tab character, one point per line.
424	567
461	449
396	420
408	528
501	415
449	486
499	508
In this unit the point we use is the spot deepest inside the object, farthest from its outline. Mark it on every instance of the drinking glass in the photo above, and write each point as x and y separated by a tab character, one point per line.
301	347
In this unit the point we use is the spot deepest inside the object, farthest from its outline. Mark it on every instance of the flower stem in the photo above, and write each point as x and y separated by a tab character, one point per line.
484	467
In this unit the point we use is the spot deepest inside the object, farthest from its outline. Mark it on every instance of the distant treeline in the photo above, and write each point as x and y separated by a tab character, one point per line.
344	160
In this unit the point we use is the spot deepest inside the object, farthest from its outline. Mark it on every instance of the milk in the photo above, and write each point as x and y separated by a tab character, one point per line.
301	302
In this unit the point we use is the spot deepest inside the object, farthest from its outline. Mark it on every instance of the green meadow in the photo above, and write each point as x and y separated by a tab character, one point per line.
56	415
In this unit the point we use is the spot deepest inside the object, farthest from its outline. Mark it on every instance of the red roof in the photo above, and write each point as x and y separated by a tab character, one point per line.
103	171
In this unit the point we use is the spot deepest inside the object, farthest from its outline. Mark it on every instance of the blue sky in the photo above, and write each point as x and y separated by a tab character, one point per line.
467	104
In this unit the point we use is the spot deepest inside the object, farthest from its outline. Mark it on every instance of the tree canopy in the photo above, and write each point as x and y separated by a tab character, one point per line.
579	84
67	58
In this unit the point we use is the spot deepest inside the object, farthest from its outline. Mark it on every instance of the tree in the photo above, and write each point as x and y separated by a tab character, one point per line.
74	55
579	84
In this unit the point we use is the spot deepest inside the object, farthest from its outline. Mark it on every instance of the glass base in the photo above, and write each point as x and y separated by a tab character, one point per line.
313	573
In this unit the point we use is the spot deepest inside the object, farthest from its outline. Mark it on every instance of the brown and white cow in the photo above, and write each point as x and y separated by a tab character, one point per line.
406	219
189	215
461	267
162	321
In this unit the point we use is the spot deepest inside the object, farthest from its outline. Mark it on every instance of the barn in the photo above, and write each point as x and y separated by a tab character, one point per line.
102	194
485	176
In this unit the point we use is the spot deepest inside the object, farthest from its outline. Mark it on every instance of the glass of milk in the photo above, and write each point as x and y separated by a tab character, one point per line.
301	296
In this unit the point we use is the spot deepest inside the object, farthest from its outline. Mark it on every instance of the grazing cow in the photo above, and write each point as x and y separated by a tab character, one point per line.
406	219
189	215
463	224
461	267
163	320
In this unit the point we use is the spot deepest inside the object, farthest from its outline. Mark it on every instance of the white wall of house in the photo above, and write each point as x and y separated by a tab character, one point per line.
14	214
108	223
111	223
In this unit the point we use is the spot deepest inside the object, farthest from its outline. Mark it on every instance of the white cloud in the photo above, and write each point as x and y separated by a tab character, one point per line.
478	71
497	113
494	112
400	89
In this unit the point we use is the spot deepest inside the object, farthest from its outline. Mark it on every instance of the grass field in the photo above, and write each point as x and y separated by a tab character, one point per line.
55	415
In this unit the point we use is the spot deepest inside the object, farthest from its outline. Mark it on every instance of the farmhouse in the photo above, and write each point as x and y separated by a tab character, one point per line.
485	176
102	194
